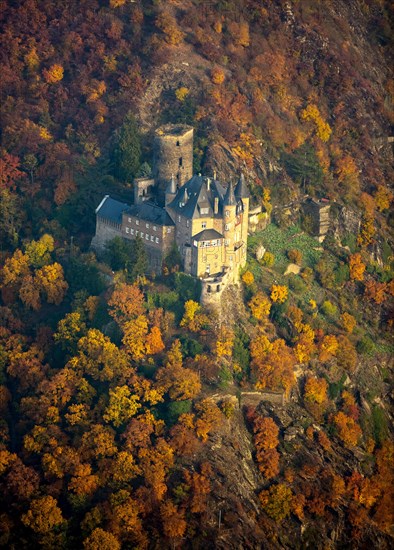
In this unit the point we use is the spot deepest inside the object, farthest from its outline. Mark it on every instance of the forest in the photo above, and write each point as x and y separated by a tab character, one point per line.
131	415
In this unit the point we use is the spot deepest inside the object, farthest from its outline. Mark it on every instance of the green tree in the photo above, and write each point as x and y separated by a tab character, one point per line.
304	167
127	151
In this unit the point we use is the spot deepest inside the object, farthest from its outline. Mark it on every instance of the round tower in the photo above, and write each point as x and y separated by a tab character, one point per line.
173	154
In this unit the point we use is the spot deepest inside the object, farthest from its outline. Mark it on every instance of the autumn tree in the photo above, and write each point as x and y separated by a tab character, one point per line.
277	501
266	440
51	279
279	293
357	267
209	417
173	519
101	540
122	406
260	306
348	322
348	430
126	303
43	516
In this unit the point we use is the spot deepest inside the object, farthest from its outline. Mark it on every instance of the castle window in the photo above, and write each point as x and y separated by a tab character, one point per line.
147	237
157	239
187	223
154	228
129	220
131	231
204	225
177	143
227	213
147	225
179	218
152	238
204	211
127	229
137	222
226	242
226	227
169	230
180	161
136	233
142	234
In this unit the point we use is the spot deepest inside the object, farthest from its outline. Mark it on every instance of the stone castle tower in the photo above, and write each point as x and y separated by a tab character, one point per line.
173	154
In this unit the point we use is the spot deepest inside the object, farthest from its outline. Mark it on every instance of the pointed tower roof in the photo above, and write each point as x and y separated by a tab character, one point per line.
229	197
185	196
241	189
171	187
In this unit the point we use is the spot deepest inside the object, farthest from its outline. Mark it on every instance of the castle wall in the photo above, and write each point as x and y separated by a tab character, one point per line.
105	231
173	154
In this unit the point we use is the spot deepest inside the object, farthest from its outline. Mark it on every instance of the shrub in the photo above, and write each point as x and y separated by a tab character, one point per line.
295	256
366	346
268	259
329	309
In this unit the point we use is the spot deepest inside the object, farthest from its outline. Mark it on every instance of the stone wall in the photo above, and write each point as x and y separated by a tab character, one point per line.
105	231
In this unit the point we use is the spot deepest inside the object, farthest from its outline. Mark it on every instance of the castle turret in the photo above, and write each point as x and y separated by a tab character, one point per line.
173	154
242	195
171	190
241	189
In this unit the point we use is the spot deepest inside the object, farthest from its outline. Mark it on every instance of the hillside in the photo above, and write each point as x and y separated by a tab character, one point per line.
132	416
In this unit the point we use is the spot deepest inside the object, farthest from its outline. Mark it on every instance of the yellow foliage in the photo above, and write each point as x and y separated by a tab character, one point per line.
181	93
248	278
43	515
312	113
383	198
134	339
15	267
357	267
279	293
32	60
45	134
51	279
260	306
54	74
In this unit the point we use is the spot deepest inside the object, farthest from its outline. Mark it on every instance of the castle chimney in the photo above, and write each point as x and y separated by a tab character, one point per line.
216	205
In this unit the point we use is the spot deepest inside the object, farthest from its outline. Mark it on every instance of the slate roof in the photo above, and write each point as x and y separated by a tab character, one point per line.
241	189
199	198
111	209
207	235
150	213
229	198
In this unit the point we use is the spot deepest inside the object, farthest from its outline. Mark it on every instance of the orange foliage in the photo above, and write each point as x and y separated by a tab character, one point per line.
375	291
348	430
174	524
357	267
54	74
126	303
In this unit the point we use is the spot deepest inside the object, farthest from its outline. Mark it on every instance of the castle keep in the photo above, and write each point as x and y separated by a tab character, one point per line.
208	221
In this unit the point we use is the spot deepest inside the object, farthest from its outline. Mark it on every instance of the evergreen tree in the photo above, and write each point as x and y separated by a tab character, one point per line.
304	168
127	150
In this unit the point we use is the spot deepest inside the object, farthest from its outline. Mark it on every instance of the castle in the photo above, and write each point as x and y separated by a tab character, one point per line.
205	220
